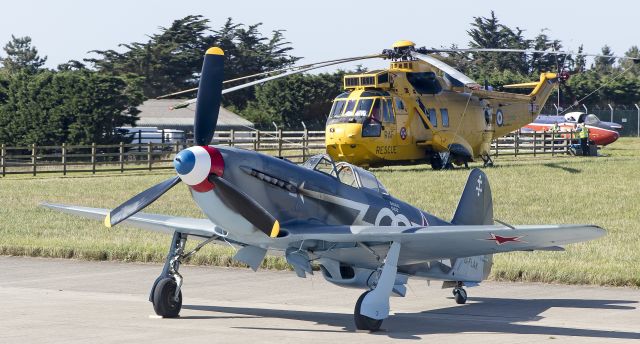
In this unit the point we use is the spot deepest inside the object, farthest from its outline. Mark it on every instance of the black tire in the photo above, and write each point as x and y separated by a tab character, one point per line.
163	299
436	162
364	322
460	295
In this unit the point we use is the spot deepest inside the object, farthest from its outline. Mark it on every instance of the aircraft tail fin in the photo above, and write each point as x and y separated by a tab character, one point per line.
476	204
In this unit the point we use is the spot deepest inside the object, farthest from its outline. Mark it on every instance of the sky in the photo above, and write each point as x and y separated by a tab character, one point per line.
318	30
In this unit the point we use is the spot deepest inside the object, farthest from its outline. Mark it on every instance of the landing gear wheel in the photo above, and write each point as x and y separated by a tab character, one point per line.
164	302
436	162
364	322
460	295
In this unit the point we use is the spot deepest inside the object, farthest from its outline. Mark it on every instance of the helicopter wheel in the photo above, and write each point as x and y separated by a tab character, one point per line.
436	161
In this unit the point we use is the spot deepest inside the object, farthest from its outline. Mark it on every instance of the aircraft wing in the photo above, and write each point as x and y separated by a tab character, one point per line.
439	242
152	222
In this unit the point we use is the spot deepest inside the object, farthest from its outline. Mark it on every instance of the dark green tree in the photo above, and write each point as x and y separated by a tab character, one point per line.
172	59
21	56
291	100
604	65
78	107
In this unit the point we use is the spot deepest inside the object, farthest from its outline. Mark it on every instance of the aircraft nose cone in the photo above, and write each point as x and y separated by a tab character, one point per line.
184	162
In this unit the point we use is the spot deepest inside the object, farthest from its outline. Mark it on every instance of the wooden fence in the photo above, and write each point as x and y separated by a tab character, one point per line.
296	146
534	143
293	145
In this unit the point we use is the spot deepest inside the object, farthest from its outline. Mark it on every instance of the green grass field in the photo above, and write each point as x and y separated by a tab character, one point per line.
601	191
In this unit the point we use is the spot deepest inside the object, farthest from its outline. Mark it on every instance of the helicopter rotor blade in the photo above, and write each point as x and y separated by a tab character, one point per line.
282	75
454	73
527	51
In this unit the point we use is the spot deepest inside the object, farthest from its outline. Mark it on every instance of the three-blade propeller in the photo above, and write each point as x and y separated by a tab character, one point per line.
206	118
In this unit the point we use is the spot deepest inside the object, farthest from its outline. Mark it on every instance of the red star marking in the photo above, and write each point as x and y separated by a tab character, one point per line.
502	240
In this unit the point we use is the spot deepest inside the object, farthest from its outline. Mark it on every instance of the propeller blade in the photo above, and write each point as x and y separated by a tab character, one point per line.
208	100
454	73
246	206
139	202
527	51
287	72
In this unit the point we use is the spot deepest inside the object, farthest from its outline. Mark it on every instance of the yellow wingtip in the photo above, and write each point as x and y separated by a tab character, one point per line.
215	51
107	221
275	230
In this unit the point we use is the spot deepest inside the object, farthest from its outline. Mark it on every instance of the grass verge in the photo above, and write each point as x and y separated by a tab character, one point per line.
601	191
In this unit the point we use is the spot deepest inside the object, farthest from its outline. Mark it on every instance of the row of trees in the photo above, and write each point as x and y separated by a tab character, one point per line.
615	82
83	101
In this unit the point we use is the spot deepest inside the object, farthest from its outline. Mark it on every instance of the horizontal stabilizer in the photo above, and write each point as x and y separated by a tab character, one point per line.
523	85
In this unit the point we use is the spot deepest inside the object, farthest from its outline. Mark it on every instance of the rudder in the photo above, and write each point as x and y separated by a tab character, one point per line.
476	204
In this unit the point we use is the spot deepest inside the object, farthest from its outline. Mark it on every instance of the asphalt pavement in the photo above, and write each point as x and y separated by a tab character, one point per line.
69	301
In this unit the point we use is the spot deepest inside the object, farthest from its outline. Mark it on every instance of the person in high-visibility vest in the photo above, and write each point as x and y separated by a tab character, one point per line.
555	128
584	140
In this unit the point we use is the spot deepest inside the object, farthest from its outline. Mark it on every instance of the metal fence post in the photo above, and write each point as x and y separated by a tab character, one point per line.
611	108
93	158
3	154
64	159
232	138
33	157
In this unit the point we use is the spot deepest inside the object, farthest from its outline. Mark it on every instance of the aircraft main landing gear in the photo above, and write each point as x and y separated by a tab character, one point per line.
166	294
363	322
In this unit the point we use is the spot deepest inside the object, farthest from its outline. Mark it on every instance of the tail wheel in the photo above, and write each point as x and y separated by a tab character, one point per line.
460	295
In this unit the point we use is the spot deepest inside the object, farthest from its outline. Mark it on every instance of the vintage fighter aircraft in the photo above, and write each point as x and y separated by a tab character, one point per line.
337	216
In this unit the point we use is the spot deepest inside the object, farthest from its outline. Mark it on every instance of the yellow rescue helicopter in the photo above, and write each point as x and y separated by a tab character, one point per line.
421	110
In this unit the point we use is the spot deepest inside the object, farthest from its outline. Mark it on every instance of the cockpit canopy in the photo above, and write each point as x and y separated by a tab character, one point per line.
346	173
580	117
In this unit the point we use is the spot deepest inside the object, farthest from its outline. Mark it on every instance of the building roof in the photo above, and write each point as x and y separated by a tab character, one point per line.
157	113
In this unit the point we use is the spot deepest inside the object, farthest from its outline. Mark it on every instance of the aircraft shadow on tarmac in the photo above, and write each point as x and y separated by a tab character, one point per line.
490	315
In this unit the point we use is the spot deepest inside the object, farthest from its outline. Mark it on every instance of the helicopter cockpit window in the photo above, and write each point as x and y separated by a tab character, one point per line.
387	111
363	108
349	109
321	163
591	119
338	107
376	110
424	82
